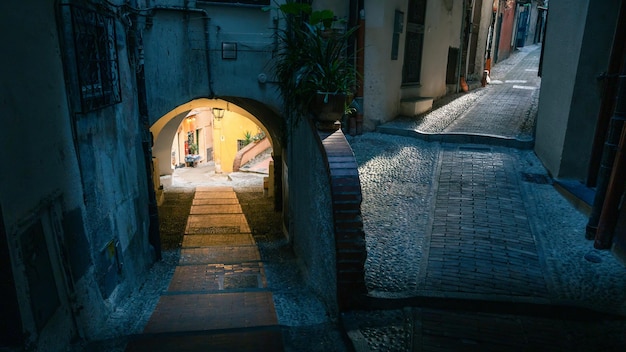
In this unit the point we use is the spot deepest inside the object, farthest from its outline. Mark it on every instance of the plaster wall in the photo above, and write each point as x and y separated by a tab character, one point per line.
226	133
176	56
561	60
383	76
595	51
310	215
85	188
383	87
506	42
40	169
442	31
483	36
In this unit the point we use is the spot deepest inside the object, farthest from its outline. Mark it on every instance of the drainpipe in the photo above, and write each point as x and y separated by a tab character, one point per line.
610	87
616	185
207	20
154	237
608	128
360	65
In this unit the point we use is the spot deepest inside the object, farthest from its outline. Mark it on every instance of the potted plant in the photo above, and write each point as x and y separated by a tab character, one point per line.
312	67
193	148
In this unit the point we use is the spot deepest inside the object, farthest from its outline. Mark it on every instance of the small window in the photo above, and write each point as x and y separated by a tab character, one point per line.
414	42
95	55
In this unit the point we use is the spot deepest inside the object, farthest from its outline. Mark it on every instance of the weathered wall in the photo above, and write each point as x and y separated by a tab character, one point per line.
442	31
560	62
41	172
383	88
586	95
483	35
506	43
78	183
574	55
311	214
176	55
383	76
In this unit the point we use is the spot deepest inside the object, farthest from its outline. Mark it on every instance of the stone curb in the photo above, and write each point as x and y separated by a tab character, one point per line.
460	138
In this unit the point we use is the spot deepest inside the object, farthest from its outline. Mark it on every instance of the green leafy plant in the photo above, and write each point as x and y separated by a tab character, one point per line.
311	57
193	148
247	138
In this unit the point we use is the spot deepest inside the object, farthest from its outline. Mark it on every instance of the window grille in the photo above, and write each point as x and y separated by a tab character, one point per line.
416	18
241	143
95	50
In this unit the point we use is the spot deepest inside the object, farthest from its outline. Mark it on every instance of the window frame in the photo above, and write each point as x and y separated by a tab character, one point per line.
91	49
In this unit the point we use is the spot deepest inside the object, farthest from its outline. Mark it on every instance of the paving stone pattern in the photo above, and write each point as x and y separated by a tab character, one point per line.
506	103
217	286
481	241
499	254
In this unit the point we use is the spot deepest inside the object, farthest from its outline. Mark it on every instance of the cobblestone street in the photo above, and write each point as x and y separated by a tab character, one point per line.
470	246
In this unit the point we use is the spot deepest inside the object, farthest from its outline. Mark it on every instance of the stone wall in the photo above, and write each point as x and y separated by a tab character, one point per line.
326	228
74	192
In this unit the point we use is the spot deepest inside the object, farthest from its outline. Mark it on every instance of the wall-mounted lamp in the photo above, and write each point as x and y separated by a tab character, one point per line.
218	113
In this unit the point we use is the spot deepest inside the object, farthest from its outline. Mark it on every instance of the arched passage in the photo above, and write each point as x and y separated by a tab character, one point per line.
166	127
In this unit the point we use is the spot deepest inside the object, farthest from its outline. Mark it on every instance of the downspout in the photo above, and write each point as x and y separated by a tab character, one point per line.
360	65
609	127
616	184
136	44
610	88
154	236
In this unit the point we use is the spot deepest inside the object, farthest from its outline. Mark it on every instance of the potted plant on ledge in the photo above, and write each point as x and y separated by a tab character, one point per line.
314	71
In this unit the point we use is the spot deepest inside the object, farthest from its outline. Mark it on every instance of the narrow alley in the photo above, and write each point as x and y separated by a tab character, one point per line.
470	247
219	283
199	175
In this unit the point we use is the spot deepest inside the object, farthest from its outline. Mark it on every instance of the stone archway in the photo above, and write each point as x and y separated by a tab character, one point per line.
165	128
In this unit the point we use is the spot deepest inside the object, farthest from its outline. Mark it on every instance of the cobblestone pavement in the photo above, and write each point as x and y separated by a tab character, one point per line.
506	108
470	247
510	103
478	237
303	323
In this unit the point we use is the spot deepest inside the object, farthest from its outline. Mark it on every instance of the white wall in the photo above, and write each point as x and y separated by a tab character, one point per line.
383	76
383	88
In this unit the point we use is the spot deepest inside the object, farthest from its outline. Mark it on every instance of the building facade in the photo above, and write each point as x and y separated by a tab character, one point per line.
580	104
94	95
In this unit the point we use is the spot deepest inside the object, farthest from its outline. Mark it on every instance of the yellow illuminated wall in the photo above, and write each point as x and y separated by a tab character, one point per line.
226	132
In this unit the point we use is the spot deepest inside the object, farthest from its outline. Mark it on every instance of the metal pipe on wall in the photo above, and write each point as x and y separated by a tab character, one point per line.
608	129
207	20
617	181
608	97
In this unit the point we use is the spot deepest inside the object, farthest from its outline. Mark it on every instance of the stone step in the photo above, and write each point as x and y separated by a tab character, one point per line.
415	106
